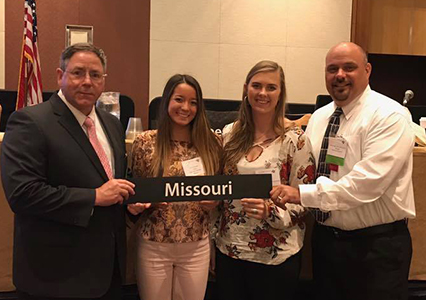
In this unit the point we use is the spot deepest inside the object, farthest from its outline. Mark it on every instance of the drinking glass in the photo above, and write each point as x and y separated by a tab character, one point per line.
134	127
110	102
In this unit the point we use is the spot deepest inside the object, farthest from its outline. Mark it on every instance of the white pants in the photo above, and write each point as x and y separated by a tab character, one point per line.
172	271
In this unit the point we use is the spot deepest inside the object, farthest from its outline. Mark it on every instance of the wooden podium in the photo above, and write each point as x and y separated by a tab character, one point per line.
6	240
417	226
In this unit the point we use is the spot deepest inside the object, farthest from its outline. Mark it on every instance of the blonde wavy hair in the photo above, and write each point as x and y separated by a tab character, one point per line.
242	134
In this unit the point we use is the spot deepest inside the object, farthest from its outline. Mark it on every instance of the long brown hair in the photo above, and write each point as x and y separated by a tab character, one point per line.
242	134
203	139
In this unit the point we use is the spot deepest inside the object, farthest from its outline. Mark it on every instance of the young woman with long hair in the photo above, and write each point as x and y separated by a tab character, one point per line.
173	238
258	243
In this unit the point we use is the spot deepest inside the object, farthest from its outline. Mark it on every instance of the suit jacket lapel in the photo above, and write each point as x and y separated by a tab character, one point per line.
69	122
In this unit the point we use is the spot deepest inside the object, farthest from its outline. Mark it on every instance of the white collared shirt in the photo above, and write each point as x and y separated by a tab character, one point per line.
374	186
100	131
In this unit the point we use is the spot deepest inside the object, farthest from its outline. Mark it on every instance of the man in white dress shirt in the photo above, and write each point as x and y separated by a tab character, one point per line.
361	247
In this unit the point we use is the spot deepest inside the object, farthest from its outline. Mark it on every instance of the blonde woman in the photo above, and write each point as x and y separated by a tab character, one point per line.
173	238
258	243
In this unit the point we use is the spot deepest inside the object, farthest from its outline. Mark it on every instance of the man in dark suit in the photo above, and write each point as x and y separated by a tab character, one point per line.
61	178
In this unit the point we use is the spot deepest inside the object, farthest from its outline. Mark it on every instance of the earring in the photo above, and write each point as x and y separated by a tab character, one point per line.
246	100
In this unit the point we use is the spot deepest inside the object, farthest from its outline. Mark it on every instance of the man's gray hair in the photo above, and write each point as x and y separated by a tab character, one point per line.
81	47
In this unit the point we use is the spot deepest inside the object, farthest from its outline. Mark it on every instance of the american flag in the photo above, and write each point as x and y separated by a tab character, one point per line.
29	88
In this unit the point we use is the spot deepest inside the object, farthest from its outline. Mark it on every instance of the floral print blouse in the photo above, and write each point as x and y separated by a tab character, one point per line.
273	240
178	222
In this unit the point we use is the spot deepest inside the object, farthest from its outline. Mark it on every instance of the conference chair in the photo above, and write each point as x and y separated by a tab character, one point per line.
8	102
322	100
127	110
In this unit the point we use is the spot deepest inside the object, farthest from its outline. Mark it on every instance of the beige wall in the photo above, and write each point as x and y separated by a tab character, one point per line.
2	31
218	41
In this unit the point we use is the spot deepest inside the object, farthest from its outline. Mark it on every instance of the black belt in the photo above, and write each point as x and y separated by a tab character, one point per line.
368	231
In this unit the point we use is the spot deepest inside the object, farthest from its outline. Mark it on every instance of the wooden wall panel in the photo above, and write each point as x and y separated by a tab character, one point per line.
121	28
52	20
360	31
419	28
52	17
14	11
393	33
391	26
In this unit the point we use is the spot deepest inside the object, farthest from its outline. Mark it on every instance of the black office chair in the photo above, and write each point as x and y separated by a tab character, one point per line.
293	117
127	110
221	112
8	103
153	108
299	108
322	100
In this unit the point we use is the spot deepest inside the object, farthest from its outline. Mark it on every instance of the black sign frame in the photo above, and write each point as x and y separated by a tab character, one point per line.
220	187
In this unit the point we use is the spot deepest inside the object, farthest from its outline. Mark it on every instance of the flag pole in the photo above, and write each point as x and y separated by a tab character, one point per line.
29	85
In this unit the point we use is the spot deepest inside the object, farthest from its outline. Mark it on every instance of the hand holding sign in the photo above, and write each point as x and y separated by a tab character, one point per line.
208	205
255	208
282	194
160	204
137	208
114	191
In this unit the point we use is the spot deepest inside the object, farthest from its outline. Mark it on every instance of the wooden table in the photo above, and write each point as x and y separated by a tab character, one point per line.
6	240
417	226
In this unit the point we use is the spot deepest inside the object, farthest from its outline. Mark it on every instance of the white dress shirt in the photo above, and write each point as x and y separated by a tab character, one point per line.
374	186
100	132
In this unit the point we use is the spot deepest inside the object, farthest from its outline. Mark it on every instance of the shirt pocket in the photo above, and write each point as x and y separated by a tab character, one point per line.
354	149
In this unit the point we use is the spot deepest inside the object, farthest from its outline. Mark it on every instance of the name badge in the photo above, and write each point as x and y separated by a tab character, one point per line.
193	167
276	180
336	151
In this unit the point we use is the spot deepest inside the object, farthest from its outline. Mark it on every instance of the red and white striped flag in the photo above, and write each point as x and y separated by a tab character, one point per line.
29	88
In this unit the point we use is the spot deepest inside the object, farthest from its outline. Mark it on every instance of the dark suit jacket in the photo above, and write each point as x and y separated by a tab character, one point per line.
50	172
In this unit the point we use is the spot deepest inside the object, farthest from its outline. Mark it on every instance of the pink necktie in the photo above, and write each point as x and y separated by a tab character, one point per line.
93	138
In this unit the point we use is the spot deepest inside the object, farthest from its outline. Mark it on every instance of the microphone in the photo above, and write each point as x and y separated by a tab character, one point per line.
409	94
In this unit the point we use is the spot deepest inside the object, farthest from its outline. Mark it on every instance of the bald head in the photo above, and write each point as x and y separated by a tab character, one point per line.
347	72
349	45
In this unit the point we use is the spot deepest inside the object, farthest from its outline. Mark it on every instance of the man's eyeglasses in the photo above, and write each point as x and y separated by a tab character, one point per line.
81	74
